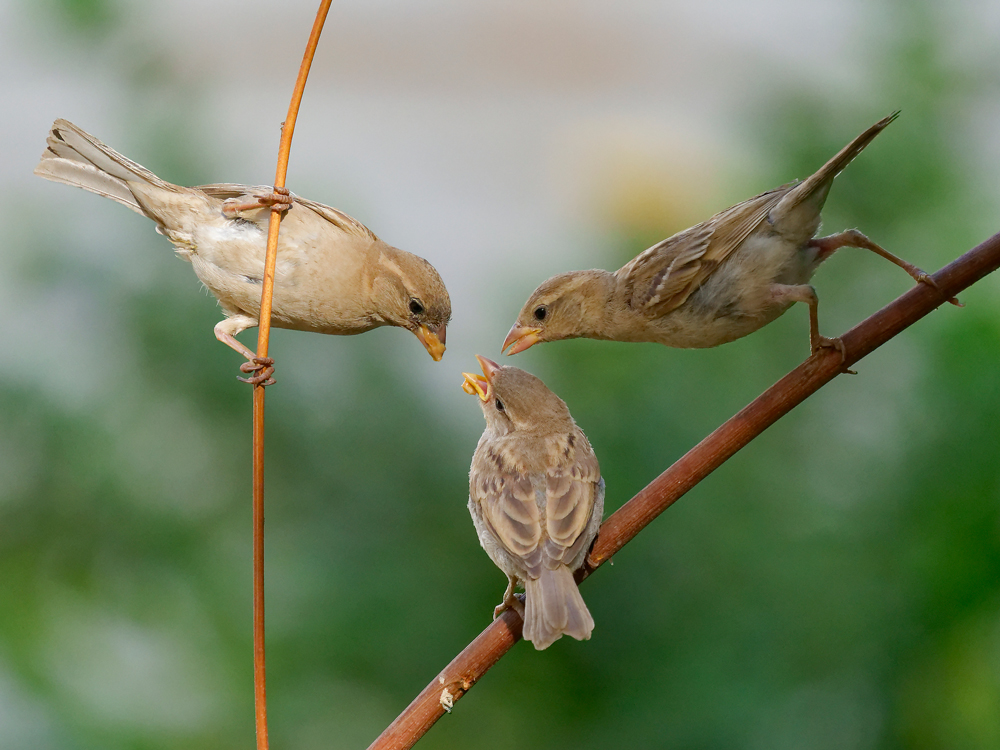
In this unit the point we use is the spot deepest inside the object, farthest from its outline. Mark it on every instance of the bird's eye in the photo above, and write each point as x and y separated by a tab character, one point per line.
415	307
499	404
540	312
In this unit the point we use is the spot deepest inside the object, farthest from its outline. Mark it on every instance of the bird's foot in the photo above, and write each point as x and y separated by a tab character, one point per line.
824	343
514	602
279	199
264	369
922	277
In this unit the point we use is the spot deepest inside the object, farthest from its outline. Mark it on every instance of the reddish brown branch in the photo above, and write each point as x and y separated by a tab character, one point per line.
466	669
263	339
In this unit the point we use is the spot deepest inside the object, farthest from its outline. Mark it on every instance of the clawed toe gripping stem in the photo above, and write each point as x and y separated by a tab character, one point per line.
823	342
510	601
925	278
279	199
263	366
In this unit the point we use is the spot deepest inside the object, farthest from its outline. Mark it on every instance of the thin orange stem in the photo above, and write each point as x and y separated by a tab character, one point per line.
263	338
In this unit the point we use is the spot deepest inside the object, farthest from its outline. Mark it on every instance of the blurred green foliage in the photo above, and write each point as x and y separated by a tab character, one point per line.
89	19
835	585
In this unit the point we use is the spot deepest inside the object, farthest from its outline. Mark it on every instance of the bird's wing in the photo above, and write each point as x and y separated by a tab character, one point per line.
661	278
336	217
570	495
339	219
510	510
225	190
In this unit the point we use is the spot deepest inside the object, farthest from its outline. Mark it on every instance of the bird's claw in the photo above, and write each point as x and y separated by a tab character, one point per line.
279	199
514	602
838	344
925	278
262	379
256	364
264	369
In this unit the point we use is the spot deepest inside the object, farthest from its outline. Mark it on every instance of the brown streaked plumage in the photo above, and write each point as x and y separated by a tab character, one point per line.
537	497
333	274
710	284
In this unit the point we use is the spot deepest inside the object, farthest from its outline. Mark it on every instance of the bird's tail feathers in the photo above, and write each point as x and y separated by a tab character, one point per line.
553	606
74	157
817	185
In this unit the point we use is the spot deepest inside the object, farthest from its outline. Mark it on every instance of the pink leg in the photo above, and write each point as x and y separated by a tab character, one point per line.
279	199
510	600
785	293
853	238
226	330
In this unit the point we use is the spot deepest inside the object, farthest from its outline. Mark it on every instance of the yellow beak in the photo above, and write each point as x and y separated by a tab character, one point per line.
522	338
480	384
433	342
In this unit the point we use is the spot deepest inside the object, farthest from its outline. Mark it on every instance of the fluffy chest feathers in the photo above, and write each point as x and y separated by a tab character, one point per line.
319	272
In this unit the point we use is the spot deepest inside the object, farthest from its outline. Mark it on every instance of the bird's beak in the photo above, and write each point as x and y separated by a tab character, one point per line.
433	341
521	337
480	384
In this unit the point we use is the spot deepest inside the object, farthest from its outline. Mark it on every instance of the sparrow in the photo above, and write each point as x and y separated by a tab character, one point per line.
333	274
536	497
710	284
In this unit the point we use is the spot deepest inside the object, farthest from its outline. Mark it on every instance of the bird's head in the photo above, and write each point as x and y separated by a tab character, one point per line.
566	306
516	401
409	293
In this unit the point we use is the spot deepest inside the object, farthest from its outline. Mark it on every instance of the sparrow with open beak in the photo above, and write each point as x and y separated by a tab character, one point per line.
710	284
333	274
536	496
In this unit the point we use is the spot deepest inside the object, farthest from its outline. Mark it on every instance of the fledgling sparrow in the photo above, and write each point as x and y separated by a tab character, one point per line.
712	283
333	274
537	497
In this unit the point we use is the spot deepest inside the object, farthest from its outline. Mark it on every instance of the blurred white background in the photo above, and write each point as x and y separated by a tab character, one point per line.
502	141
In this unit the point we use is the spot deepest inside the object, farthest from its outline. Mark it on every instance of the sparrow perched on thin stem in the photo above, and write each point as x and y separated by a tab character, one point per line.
333	274
712	283
536	496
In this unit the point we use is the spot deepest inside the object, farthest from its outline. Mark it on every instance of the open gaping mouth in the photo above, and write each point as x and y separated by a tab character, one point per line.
480	384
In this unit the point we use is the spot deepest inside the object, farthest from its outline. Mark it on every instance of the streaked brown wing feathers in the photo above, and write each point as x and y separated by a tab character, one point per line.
664	276
510	509
569	496
336	217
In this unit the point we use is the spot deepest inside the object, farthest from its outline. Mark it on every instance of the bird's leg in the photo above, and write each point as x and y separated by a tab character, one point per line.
853	238
226	330
279	199
510	600
786	293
